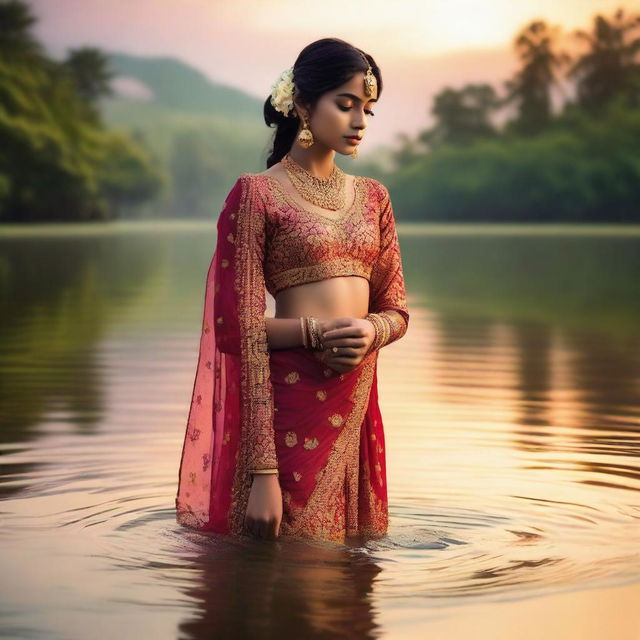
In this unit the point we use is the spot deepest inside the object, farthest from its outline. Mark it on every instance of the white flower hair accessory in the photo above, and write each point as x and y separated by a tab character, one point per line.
282	92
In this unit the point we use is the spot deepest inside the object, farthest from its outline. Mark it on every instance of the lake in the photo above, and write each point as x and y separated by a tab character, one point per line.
512	422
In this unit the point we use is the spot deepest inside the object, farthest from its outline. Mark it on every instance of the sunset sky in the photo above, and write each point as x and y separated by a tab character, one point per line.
420	46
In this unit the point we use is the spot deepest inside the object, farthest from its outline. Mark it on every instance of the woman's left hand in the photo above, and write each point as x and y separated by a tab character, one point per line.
346	342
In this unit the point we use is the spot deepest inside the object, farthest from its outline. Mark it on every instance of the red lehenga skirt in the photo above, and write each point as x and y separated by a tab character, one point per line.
329	442
330	447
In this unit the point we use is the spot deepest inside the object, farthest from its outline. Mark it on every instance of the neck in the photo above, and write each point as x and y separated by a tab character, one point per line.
319	162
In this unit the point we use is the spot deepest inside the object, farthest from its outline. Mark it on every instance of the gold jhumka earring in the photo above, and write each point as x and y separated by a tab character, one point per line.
305	137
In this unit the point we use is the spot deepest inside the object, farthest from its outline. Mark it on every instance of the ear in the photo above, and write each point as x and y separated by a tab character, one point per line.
301	108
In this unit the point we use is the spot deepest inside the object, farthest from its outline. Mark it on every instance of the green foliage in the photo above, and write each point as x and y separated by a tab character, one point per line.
57	160
581	169
582	164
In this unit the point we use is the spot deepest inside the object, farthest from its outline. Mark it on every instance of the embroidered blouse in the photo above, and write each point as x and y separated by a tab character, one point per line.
267	241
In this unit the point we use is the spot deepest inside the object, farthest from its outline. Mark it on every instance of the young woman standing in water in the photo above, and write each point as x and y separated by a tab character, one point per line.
284	435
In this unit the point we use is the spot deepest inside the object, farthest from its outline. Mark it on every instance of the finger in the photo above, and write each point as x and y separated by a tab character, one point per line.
342	332
347	353
344	341
271	530
261	529
338	325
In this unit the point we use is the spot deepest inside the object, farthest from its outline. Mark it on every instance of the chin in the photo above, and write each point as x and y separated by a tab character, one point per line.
345	149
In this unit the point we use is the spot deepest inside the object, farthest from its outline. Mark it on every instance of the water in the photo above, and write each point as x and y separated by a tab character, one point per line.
512	418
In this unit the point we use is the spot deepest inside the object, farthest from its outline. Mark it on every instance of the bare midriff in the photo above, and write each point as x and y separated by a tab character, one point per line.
341	296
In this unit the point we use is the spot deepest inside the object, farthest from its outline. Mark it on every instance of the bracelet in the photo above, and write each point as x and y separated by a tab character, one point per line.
382	328
263	471
311	338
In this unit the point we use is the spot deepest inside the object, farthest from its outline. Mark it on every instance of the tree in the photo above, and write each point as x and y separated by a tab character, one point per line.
16	41
461	115
531	86
90	71
610	65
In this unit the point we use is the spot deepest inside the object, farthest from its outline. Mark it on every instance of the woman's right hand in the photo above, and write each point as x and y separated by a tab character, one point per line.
264	509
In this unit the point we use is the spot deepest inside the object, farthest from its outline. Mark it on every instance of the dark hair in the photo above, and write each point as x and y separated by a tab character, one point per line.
321	66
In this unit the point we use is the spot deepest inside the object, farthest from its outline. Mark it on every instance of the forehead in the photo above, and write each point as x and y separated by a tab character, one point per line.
354	86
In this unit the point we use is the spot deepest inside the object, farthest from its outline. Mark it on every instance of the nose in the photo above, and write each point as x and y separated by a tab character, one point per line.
359	122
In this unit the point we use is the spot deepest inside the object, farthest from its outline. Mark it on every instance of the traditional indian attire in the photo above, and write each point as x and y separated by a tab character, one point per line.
253	408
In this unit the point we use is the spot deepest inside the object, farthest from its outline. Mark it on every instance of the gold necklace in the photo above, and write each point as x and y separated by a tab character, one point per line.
328	193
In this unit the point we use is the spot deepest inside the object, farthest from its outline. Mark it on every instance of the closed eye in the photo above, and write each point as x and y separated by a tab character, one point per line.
367	111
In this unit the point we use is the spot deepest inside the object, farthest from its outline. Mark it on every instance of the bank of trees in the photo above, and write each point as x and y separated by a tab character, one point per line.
578	163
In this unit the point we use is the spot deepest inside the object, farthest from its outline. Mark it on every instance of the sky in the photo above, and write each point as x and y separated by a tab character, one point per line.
421	46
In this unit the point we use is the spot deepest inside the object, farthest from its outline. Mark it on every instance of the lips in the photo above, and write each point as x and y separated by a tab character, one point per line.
353	138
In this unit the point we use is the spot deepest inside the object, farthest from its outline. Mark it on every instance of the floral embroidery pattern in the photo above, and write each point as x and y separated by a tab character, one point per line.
294	376
335	420
310	443
291	439
321	394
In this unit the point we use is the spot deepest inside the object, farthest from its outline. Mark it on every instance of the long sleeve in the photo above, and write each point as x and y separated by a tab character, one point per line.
241	326
388	297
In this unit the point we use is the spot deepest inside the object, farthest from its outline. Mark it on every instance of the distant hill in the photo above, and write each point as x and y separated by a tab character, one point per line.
203	133
175	86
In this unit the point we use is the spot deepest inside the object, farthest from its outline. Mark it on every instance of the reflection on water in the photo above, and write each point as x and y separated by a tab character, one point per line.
511	410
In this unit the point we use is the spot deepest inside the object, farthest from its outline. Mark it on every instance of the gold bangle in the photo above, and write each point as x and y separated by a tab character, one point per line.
304	333
383	330
315	333
263	471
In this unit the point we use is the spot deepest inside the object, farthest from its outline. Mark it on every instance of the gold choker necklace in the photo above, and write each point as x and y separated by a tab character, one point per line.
328	193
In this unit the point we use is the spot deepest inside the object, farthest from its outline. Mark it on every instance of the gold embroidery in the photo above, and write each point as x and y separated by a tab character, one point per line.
291	439
220	320
306	246
297	475
226	438
230	238
331	512
311	443
321	394
327	372
257	439
292	377
321	271
224	263
388	296
335	419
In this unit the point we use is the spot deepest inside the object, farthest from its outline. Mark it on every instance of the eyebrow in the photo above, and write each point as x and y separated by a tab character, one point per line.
355	97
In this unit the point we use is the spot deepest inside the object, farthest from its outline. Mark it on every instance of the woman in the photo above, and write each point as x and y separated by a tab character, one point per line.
284	435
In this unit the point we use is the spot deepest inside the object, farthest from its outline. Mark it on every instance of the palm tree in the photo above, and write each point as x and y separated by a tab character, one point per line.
610	66
531	87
